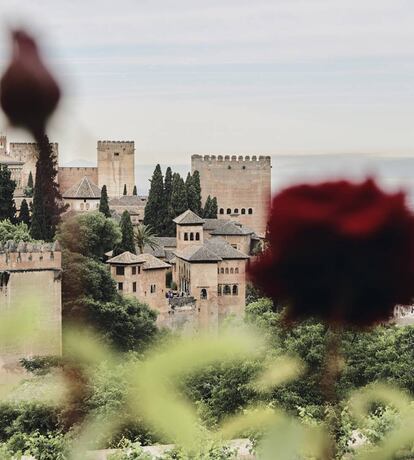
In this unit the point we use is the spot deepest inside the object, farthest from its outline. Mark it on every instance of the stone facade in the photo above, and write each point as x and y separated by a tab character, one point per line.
68	176
32	273
242	186
116	166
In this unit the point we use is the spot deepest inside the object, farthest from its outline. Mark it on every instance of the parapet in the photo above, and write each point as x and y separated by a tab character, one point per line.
232	159
30	256
106	143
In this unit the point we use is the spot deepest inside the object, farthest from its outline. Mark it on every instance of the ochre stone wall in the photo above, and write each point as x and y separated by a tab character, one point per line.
234	276
34	277
116	166
239	183
27	152
68	177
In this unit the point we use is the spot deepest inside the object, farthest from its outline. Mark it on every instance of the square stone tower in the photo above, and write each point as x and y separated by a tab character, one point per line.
116	167
242	186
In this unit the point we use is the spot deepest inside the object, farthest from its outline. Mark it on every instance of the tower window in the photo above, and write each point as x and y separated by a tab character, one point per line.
250	211
236	270
221	211
197	236
116	154
185	236
243	211
120	271
227	271
191	236
228	211
236	211
203	294
120	286
134	286
235	290
227	290
134	270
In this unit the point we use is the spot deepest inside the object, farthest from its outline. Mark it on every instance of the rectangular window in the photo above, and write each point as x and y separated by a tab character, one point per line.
134	286
120	271
152	289
134	270
120	286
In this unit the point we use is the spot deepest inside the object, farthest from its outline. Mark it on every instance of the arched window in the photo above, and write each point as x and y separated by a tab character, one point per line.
228	211
87	206
185	236
191	236
236	270
222	270
243	211
197	236
250	211
227	290
236	211
81	206
221	211
235	290
227	271
203	294
231	271
218	270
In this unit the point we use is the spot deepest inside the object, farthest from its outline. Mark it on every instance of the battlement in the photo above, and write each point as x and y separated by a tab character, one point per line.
120	143
30	256
232	159
30	144
85	169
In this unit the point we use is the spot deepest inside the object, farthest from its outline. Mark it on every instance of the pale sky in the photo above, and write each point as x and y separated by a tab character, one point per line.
226	76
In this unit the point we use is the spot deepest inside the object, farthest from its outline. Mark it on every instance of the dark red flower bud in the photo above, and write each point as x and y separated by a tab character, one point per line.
29	93
340	252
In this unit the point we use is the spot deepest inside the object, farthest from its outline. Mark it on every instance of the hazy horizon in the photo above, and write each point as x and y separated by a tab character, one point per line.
222	77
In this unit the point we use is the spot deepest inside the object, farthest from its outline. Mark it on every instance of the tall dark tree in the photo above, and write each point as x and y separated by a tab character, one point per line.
214	208
127	230
169	226
7	187
134	191
30	180
207	208
24	214
155	209
47	201
103	203
179	202
197	193
168	185
125	189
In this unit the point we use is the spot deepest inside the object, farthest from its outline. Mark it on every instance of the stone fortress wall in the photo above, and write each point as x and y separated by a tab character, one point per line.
242	186
32	273
68	176
116	166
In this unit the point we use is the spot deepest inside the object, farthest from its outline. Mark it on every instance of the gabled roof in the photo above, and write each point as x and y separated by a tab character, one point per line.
212	224
129	200
149	261
224	249
188	218
85	188
125	258
198	253
231	228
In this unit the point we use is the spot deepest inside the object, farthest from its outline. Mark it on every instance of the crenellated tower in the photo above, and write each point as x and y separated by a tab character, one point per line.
242	186
116	166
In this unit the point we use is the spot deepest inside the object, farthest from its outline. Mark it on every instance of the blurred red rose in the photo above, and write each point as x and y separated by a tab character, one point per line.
341	252
29	93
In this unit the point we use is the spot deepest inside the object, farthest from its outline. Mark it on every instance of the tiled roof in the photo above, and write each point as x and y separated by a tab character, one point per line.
166	241
231	228
129	200
149	261
198	254
212	224
125	258
188	218
224	249
83	189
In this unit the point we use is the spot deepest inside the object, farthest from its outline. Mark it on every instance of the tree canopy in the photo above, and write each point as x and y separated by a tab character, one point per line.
127	239
7	187
90	234
24	214
16	232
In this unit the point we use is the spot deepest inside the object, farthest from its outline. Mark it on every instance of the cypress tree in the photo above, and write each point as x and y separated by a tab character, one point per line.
125	189
179	202
7	187
214	208
197	193
169	226
47	201
127	230
30	180
155	209
24	214
103	203
207	208
134	192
